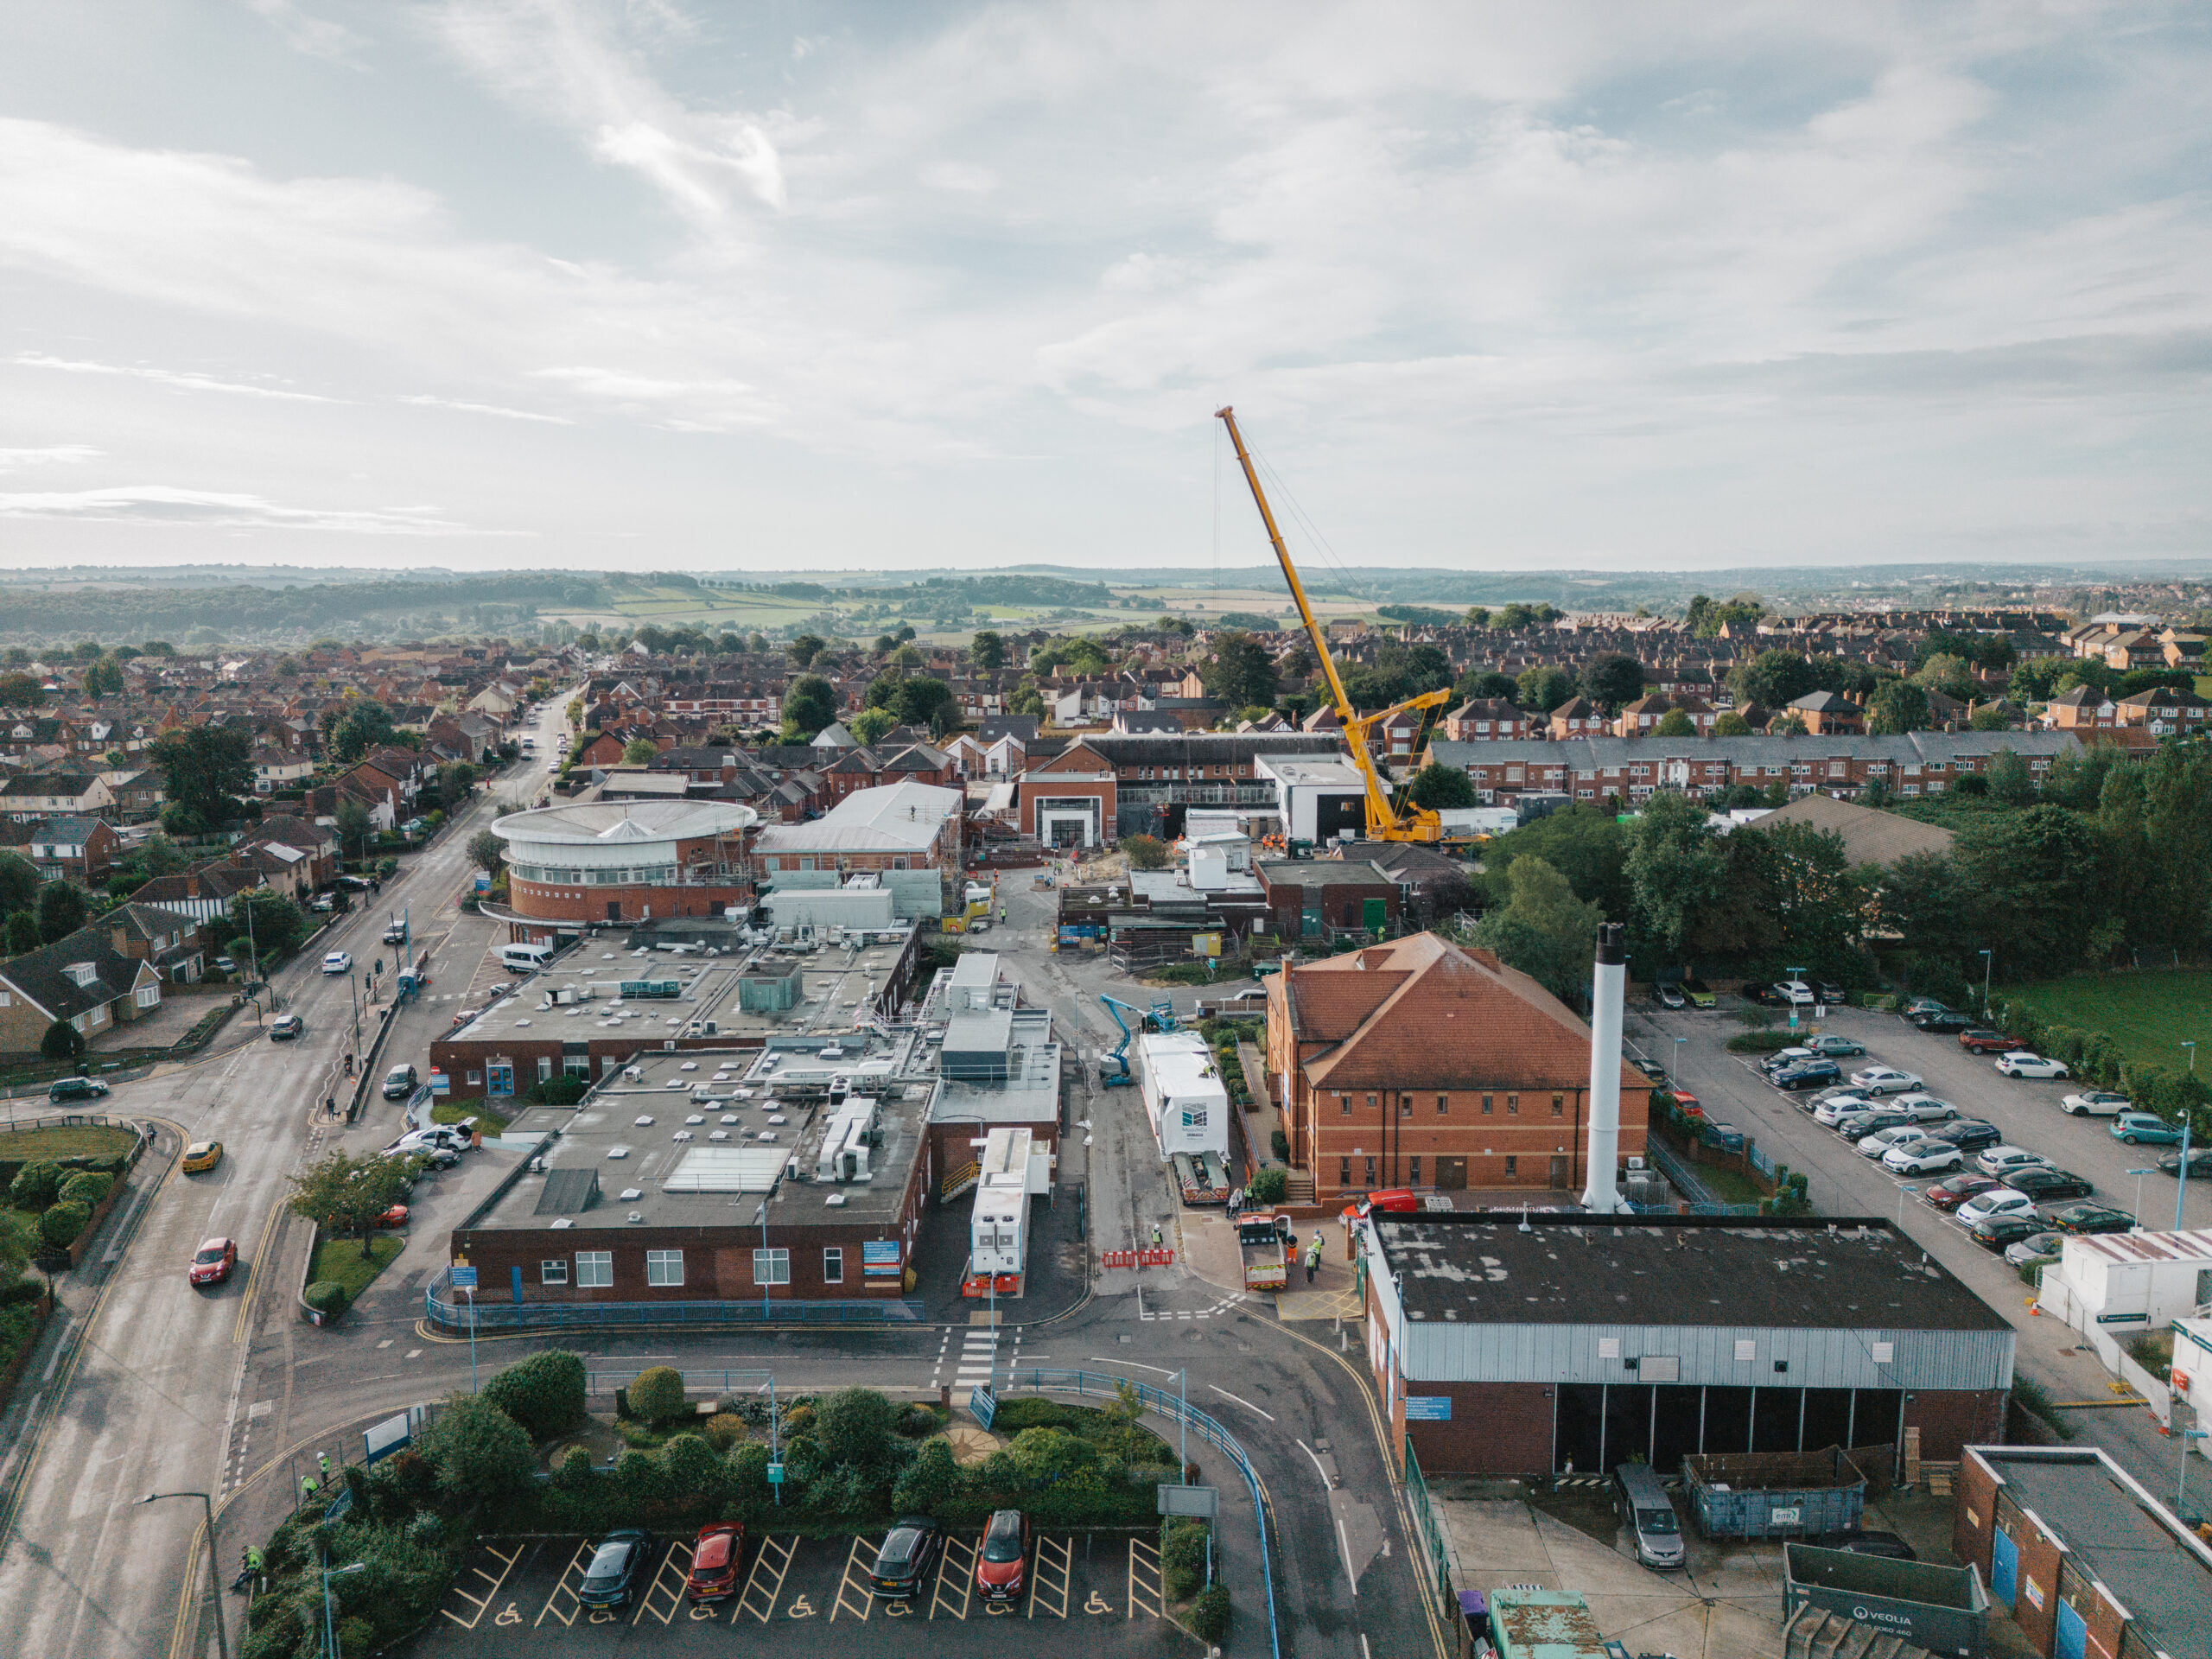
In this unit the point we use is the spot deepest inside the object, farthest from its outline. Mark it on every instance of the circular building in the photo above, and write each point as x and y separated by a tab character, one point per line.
624	862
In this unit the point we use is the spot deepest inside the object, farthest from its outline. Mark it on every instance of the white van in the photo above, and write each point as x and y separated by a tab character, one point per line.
525	958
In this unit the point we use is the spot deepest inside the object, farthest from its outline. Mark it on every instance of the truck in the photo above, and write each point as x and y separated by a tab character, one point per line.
1264	1243
1184	1094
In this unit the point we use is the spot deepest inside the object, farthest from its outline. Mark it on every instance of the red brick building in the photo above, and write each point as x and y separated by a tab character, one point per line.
616	861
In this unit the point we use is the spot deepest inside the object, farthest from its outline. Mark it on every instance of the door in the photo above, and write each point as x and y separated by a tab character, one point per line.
1559	1175
2072	1639
1374	914
614	910
2003	1568
499	1079
1451	1174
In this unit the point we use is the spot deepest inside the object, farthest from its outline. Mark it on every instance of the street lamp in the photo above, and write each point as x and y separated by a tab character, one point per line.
2181	1485
1985	960
214	1589
329	1635
2188	1116
2139	1174
1676	1074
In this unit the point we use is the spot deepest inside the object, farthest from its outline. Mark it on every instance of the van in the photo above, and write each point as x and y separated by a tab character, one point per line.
1649	1514
525	958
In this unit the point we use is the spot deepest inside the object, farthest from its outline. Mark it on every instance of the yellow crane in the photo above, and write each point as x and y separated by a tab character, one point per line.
1386	821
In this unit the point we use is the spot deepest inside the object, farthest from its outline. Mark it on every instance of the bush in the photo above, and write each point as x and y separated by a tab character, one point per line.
1209	1620
916	1421
855	1428
1267	1185
35	1187
544	1393
1279	1143
723	1430
1754	1017
656	1395
59	1227
1183	1558
930	1483
479	1451
327	1297
87	1188
1761	1042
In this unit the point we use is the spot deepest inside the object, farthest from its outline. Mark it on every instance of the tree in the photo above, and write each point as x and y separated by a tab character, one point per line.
1674	869
930	1481
1441	788
987	650
344	1194
2008	780
456	780
640	751
1772	678
1897	708
907	656
1477	616
354	828
1586	846
1989	717
923	700
1812	891
1026	699
657	1395
853	1428
1675	723
20	690
1485	682
872	723
276	924
1145	852
160	856
364	725
203	767
22	932
1612	680
485	850
803	650
2041	892
62	1042
479	1451
1729	724
1241	672
1542	928
810	704
543	1393
19	882
103	678
1542	690
62	908
1952	675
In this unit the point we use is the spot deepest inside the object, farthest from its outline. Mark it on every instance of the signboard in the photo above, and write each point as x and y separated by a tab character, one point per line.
464	1278
441	1084
1428	1407
775	1474
1785	1517
383	1439
1204	1502
880	1259
1206	945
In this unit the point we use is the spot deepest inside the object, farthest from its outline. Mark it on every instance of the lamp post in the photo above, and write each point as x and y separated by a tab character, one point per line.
2139	1174
1183	1417
214	1589
2181	1485
1987	958
2181	1183
329	1635
1676	1074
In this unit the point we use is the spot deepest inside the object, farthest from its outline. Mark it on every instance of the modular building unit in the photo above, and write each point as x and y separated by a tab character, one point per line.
1530	1623
998	1227
1182	1094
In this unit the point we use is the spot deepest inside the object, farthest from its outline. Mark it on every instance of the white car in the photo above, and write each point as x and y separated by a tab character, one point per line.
1925	1109
1882	1080
2004	1158
338	962
1926	1156
2022	1064
1875	1145
1783	1057
1795	995
2094	1103
1829	1113
1998	1201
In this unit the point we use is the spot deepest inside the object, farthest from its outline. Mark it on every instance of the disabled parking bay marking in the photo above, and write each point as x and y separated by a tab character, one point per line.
955	1579
487	1584
855	1595
1144	1580
667	1585
772	1564
1050	1570
562	1587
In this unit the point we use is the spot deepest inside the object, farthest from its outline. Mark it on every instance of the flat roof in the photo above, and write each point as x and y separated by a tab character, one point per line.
602	822
895	818
1499	1268
1031	1093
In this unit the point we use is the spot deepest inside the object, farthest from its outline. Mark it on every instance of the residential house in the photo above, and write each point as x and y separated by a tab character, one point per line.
1828	713
86	980
275	769
77	849
50	794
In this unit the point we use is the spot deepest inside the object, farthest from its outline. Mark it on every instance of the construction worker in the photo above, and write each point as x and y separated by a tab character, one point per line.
308	1487
322	1458
1312	1258
257	1570
1155	1235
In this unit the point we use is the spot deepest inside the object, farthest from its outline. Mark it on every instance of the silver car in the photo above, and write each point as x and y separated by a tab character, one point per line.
1881	1140
1829	1113
1882	1080
1924	1108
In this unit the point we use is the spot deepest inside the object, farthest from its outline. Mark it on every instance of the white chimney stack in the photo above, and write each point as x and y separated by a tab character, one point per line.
1608	988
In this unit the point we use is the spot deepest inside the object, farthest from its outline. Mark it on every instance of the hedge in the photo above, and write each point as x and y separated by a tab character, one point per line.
1762	1042
60	1226
87	1188
2094	1058
327	1297
1209	1620
544	1393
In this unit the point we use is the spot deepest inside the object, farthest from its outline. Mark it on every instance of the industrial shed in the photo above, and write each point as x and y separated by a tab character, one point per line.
1507	1344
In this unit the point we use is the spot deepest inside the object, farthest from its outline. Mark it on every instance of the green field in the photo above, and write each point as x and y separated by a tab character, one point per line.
341	1259
2150	1016
63	1141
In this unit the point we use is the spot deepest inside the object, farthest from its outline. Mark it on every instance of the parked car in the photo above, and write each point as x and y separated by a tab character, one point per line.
1924	1109
431	1155
399	1083
1836	1048
2094	1103
1726	1136
1998	1233
1897	1135
1999	1200
613	1570
2024	1064
909	1551
201	1156
1791	993
1667	996
1830	993
1806	1074
2093	1218
1000	1561
1943	1023
1688	1103
2135	1128
212	1261
2049	1186
338	962
1886	1545
63	1089
1883	1080
2200	1162
395	1217
1857	1127
1699	994
1833	1111
286	1026
716	1554
1782	1058
1980	1040
1949	1195
1928	1155
395	933
1919	1005
2004	1158
2036	1247
323	901
1968	1133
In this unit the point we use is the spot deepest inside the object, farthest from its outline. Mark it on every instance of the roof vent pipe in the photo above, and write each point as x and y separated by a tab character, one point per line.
1608	989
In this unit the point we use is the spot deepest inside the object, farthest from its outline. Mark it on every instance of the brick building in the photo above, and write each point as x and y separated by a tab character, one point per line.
609	861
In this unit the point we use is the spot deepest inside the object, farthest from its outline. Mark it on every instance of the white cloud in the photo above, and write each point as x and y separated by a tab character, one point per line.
51	454
184	379
159	504
424	401
318	37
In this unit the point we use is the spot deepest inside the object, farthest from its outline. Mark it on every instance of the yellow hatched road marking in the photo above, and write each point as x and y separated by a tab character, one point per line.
763	1584
661	1587
561	1588
854	1599
492	1583
1050	1570
1144	1578
955	1584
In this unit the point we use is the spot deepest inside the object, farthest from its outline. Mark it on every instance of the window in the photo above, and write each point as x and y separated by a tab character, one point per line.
1343	1172
1558	1105
576	1065
1344	1102
148	996
832	1265
772	1267
1370	1172
1413	1170
1405	1105
594	1269
1486	1105
544	1067
1512	1169
1371	1103
1513	1105
1443	1105
664	1266
555	1271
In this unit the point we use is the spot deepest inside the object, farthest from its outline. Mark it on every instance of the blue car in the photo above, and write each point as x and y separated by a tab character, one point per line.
1807	1074
2146	1128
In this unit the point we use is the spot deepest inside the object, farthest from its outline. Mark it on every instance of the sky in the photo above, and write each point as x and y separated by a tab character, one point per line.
653	285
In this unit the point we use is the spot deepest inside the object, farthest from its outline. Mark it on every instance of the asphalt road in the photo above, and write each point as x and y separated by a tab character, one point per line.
163	1393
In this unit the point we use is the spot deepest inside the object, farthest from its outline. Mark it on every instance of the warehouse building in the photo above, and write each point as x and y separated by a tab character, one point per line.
1510	1344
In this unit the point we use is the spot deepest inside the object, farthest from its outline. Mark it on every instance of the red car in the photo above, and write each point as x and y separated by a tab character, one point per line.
1949	1195
715	1554
1982	1040
395	1217
212	1261
999	1563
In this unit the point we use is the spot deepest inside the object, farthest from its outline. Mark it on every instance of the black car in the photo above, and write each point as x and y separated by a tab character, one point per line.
1887	1545
1967	1133
2093	1218
2200	1162
1993	1233
903	1564
63	1089
1944	1020
1832	994
1806	1074
2048	1185
613	1570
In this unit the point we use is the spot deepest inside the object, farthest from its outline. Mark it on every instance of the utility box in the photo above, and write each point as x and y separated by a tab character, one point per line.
1774	1494
770	993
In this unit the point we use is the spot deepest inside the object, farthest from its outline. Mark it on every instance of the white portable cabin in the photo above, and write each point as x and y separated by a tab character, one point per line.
1184	1094
998	1228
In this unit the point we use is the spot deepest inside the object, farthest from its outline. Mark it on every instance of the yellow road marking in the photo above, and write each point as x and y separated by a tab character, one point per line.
956	1584
491	1593
660	1586
854	1601
561	1588
770	1565
1144	1564
1054	1561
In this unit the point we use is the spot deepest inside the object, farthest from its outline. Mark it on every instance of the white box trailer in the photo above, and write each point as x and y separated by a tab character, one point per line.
1184	1094
998	1227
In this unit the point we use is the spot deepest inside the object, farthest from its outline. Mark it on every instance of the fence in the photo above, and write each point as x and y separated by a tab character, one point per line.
460	1317
719	1383
1432	1535
1050	1380
1676	1172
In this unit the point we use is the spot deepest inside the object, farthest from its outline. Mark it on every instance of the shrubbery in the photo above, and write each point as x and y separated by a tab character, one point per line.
327	1297
87	1188
1209	1620
1762	1042
35	1187
1267	1185
544	1393
656	1395
60	1226
1183	1558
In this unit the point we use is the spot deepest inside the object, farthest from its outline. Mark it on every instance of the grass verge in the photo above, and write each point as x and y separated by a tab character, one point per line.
489	1122
341	1259
2148	1015
65	1140
1728	1185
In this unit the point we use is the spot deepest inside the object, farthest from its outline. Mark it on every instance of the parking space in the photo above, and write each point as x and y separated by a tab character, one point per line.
1087	1596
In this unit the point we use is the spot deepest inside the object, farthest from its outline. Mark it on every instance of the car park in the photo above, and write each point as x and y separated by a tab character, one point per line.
2049	1186
716	1554
1999	1233
909	1551
2144	1129
2024	1064
1807	1074
1950	1194
1857	1127
1998	1201
1834	1047
1915	1006
2200	1162
1926	1156
1699	994
612	1573
1943	1023
2003	1158
286	1026
1968	1133
2086	1219
1980	1040
1669	996
1883	1080
399	1083
998	1561
2095	1102
201	1156
212	1261
1924	1109
1897	1135
66	1088
338	962
2036	1247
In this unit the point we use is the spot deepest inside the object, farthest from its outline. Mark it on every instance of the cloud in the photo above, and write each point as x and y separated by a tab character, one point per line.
53	455
184	379
426	401
159	504
318	37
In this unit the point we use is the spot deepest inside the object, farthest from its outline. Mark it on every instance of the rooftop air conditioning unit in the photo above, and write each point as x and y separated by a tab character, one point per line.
1636	1163
637	1215
563	1221
711	1028
634	1073
668	1043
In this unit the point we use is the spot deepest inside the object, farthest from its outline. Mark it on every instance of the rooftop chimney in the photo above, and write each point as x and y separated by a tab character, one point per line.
1601	1195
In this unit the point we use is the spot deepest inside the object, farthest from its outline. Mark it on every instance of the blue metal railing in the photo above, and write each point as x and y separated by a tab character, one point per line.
456	1314
1051	1380
1676	1172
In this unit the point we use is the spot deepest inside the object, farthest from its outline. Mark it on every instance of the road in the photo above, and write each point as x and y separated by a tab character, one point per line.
164	1392
1844	1183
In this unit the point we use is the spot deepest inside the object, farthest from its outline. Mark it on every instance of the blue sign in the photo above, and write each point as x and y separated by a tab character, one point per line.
775	1474
1428	1407
464	1278
880	1260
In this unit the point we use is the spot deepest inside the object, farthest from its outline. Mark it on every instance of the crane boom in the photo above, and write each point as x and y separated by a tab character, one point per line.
1385	821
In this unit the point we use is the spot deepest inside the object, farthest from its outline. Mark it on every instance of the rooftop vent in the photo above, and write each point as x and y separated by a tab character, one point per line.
563	1221
631	1194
